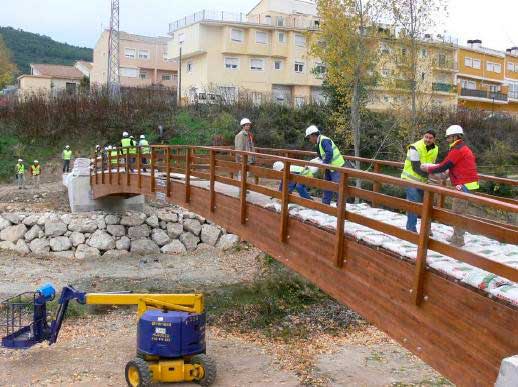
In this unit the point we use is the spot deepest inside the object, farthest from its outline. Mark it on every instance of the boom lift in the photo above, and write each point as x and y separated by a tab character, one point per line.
170	331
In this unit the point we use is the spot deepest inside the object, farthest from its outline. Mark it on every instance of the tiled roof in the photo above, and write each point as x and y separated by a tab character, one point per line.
56	71
88	65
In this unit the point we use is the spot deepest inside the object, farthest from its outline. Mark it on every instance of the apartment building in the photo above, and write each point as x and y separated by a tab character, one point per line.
143	61
263	53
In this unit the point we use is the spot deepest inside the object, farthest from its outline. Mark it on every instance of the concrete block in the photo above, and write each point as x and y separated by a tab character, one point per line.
508	375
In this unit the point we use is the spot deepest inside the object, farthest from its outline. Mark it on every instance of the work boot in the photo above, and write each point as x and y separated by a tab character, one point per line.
456	240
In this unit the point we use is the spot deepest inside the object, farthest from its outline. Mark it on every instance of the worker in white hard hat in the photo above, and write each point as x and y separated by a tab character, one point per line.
36	173
461	164
244	141
67	156
144	151
20	174
297	170
126	144
329	153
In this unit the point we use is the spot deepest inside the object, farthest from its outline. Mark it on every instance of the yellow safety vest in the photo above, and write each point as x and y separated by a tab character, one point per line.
144	149
67	154
302	171
36	169
125	143
337	160
425	156
20	169
115	156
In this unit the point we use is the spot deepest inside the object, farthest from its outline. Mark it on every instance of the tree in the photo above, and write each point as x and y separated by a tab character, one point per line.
413	19
7	68
347	45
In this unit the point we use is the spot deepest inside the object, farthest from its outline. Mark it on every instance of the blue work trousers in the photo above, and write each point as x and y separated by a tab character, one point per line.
301	189
333	176
413	195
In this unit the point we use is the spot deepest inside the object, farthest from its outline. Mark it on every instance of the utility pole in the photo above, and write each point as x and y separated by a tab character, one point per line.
113	80
179	88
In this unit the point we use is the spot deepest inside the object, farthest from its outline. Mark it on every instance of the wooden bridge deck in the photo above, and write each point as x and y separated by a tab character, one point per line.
456	329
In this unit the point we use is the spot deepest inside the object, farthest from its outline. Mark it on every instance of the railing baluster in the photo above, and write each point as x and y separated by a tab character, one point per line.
376	186
118	167
285	202
139	166
422	246
102	168
340	218
168	170
242	192
442	198
109	158
212	180
127	167
188	176
96	168
152	179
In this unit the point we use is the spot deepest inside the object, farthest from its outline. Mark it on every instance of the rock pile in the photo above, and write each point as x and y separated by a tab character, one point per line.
168	231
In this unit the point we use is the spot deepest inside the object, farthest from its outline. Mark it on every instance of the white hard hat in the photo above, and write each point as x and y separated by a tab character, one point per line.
125	134
109	147
20	160
454	129
312	130
245	121
68	146
142	136
36	161
278	166
97	146
316	160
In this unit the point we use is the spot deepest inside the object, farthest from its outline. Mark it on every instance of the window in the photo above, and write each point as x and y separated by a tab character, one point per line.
189	67
320	70
299	101
261	37
268	20
237	35
424	52
143	75
473	63
281	36
129	72
442	59
299	67
143	54
300	40
403	52
279	21
384	48
257	64
385	72
277	64
231	63
257	98
167	77
510	66
227	93
130	53
493	67
70	87
471	85
476	63
181	37
494	88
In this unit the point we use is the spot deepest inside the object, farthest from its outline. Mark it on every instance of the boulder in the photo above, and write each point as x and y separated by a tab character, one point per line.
115	253
189	240
68	233
160	237
210	234
112	219
55	228
205	247
138	232
7	245
33	233
61	243
167	216
40	246
101	240
82	225
85	251
132	220
152	221
4	223
163	225
116	230
144	246
66	218
30	220
192	225
101	224
228	241
123	243
77	238
12	217
174	230
22	247
175	247
13	233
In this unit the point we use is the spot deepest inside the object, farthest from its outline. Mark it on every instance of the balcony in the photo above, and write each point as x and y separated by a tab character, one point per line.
513	94
404	84
444	64
443	87
485	94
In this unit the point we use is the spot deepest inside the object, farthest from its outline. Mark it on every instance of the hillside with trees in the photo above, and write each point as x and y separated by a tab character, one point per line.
27	47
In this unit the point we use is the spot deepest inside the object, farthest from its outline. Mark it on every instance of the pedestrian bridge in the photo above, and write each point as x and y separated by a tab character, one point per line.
455	308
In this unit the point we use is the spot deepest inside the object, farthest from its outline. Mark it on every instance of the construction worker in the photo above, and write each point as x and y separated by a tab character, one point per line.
126	143
36	173
423	151
244	141
144	150
67	156
20	174
462	166
298	170
114	154
329	153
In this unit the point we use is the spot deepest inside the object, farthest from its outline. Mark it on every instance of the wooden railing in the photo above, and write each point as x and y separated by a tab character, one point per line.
215	164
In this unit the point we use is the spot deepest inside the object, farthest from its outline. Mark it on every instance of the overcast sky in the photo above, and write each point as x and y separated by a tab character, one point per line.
80	22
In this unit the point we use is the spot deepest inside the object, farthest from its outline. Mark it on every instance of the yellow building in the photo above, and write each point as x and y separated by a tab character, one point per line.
50	80
263	54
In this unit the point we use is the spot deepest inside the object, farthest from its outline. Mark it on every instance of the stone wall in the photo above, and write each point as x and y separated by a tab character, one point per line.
167	230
